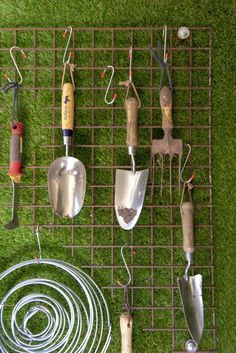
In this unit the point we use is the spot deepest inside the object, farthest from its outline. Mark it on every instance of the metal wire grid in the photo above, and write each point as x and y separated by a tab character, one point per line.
151	310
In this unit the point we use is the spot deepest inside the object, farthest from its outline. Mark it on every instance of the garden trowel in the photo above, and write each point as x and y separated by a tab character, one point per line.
130	185
191	286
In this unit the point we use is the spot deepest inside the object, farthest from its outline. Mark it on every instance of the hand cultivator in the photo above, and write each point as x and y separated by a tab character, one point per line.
167	145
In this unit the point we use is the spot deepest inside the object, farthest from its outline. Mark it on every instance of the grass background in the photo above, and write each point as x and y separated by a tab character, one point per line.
220	15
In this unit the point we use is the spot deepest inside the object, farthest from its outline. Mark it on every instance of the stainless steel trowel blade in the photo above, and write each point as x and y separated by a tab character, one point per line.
191	296
129	195
66	186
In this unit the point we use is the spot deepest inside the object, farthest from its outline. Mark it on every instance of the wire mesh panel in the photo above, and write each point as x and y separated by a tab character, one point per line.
100	133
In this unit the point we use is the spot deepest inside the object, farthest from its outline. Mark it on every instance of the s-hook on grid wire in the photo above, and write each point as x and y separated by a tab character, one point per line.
100	144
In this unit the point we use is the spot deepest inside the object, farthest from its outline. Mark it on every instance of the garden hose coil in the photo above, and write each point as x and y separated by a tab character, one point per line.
76	320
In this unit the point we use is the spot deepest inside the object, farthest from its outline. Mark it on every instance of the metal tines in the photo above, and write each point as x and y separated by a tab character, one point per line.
109	67
76	318
67	58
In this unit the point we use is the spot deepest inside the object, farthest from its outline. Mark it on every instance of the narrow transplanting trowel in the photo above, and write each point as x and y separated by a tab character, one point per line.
191	286
130	185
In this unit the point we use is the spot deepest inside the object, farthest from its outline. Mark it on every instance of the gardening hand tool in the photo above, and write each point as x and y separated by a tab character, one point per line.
67	175
191	286
15	166
168	145
109	84
126	318
130	186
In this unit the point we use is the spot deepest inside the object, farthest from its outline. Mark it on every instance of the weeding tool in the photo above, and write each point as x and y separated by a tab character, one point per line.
67	175
126	318
167	145
190	286
130	186
15	166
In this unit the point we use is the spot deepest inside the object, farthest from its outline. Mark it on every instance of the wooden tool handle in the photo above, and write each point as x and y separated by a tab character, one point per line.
131	106
15	166
126	327
67	109
187	211
166	108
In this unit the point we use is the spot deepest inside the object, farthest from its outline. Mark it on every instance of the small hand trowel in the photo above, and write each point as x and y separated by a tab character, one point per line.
130	186
191	286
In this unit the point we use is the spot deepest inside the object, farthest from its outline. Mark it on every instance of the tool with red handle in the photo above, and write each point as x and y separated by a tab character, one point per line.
15	168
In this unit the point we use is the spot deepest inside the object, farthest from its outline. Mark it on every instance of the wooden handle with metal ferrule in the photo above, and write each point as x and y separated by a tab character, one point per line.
131	107
187	211
166	107
15	166
67	111
126	328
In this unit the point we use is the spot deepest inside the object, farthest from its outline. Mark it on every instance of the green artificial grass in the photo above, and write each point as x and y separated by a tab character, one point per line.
36	112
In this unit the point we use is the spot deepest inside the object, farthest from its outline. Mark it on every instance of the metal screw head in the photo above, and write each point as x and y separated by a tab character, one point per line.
191	346
183	33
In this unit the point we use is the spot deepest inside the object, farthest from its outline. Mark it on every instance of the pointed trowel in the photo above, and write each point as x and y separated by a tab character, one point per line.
130	185
191	286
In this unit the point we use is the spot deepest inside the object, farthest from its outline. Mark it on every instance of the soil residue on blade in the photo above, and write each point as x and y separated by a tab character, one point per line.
127	214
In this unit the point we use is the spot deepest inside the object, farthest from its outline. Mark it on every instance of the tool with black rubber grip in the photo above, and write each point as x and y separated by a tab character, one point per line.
15	168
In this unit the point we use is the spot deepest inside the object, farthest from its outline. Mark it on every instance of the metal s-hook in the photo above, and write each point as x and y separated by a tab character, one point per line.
129	83
39	244
109	84
126	267
130	64
67	62
15	64
164	34
69	28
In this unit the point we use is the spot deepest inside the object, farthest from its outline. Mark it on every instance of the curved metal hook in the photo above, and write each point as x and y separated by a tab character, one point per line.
67	46
184	165
15	64
165	58
38	241
126	267
109	84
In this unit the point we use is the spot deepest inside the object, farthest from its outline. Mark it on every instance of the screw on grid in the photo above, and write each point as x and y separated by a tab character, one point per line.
129	83
66	59
109	67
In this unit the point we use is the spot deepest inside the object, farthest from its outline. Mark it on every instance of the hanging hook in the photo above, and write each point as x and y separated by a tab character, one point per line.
69	28
109	84
15	64
165	56
184	166
130	64
126	267
39	244
129	83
